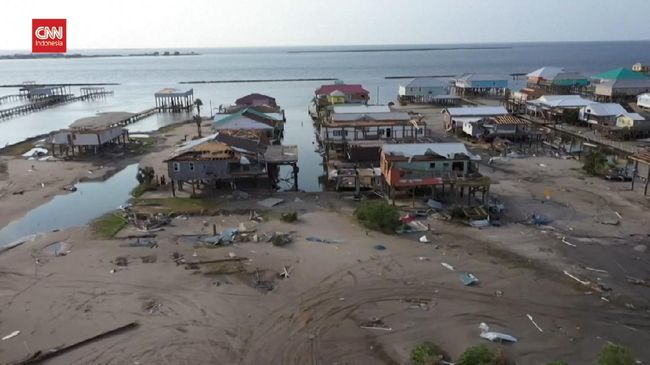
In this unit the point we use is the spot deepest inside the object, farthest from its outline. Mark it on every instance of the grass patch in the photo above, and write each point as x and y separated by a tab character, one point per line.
172	205
108	225
378	215
141	189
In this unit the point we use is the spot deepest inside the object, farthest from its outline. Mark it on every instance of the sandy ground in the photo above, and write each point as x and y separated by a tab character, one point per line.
313	317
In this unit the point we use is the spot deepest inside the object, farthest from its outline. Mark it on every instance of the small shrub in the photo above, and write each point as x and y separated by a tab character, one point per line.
477	355
378	215
145	175
428	354
594	162
615	355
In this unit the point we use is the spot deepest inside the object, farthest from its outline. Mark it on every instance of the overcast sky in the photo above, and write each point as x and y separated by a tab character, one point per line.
234	23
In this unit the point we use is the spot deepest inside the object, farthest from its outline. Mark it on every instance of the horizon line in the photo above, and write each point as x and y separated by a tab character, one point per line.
27	50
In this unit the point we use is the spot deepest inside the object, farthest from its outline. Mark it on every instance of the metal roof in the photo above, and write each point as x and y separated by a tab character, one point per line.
101	120
621	73
487	111
605	109
429	82
370	116
356	108
447	150
567	101
547	72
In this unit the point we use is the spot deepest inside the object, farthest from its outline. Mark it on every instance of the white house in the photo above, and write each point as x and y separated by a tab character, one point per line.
601	113
455	117
424	89
643	101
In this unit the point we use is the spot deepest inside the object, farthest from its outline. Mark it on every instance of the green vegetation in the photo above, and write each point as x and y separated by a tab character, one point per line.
557	363
108	225
141	189
145	175
570	116
378	215
481	355
615	355
594	162
428	354
171	205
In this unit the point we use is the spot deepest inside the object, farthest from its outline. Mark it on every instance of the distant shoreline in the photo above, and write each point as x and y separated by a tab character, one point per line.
255	80
361	50
30	56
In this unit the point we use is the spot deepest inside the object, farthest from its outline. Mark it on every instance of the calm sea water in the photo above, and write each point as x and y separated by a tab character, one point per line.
140	77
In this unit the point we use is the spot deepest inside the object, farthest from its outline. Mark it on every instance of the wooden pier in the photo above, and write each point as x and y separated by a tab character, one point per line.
13	97
49	102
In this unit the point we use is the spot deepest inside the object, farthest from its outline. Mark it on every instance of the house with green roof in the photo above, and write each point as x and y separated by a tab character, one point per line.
270	124
620	85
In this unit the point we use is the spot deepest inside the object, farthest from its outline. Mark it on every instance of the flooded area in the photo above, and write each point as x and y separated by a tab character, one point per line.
90	201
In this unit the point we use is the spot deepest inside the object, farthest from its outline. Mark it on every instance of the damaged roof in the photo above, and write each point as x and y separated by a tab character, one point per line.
217	147
446	150
101	120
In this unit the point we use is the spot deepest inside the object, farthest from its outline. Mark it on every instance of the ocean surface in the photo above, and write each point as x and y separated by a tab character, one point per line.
140	77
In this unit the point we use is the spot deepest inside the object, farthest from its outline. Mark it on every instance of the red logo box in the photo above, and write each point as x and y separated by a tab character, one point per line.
48	35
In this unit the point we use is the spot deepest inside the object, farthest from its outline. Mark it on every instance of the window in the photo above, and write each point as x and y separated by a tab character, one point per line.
419	131
191	166
381	131
445	164
337	133
432	165
177	166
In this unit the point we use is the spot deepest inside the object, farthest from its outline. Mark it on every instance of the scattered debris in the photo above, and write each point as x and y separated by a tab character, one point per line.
636	281
424	239
253	216
630	306
247	227
121	261
640	248
375	324
433	204
289	217
576	278
285	273
567	242
608	220
142	242
595	270
498	293
494	336
540	220
322	240
534	323
280	239
270	202
263	285
379	247
468	278
11	335
446	265
150	259
42	355
152	307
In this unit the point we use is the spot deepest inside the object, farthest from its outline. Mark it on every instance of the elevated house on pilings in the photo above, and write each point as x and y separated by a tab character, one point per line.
455	117
91	134
336	94
619	85
427	90
556	80
257	100
442	171
553	107
342	130
226	159
504	127
479	85
174	100
271	125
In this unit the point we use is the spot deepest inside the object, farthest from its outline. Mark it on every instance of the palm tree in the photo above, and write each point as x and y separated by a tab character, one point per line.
198	104
197	119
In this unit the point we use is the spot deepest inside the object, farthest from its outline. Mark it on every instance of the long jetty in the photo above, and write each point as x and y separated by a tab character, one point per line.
49	102
13	97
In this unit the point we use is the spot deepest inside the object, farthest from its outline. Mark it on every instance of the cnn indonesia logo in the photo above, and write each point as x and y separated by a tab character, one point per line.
48	35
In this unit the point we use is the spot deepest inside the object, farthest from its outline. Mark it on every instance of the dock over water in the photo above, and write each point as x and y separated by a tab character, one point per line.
43	103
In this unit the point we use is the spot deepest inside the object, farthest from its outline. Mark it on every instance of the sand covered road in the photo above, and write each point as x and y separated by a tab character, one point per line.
312	317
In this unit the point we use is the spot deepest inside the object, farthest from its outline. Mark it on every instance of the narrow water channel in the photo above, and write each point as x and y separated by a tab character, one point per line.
90	201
